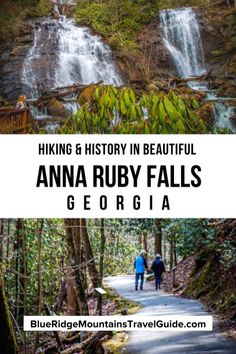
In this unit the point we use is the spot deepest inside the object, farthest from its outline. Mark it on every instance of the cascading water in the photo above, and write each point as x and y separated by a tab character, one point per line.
63	54
183	40
225	116
83	57
38	71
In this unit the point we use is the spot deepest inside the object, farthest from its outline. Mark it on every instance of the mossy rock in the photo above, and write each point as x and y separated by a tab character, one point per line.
153	88
228	89
87	95
184	90
232	66
160	84
231	19
57	108
201	285
206	113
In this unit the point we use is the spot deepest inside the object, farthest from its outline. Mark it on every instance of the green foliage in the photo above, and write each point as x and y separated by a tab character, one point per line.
119	250
42	8
53	247
119	111
14	13
118	20
169	4
189	235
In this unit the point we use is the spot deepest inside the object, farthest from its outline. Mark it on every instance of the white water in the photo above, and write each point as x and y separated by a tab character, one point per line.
67	2
183	40
83	57
224	116
222	110
63	54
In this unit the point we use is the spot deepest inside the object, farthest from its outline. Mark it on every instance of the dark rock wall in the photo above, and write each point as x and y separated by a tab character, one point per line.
12	56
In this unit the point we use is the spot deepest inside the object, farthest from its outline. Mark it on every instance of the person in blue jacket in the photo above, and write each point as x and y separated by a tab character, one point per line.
140	264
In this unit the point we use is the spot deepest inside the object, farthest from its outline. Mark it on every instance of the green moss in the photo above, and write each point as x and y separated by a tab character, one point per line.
118	20
122	304
42	9
119	339
218	52
14	13
199	286
7	335
214	286
116	343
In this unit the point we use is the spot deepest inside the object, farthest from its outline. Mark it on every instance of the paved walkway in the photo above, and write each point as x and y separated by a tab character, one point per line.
161	303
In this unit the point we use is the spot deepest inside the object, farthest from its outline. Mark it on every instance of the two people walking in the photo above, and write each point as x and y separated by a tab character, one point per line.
140	265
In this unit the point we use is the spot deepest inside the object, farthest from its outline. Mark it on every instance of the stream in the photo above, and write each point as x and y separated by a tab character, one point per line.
181	36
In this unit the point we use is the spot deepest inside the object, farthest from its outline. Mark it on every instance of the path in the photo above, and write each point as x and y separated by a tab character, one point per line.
161	303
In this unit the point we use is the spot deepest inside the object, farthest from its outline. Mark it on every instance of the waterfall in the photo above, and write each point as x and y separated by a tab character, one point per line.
83	57
181	36
183	40
66	2
63	54
38	70
225	116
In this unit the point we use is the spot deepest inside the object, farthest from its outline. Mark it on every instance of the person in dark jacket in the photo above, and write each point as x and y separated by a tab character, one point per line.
158	268
140	264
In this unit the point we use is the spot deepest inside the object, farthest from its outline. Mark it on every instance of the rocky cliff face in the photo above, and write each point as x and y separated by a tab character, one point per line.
12	55
218	28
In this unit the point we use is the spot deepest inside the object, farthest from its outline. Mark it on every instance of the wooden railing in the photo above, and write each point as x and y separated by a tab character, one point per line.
14	122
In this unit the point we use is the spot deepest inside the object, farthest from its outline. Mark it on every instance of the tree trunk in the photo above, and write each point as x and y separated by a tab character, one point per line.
40	283
164	250
1	238
175	253
102	250
16	254
62	291
158	237
101	264
145	246
8	241
22	270
72	301
88	252
171	255
140	239
7	336
76	271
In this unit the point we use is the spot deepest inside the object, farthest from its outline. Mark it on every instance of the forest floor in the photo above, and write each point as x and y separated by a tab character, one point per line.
161	303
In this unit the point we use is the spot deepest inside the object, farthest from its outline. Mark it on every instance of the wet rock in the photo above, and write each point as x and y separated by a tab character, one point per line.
57	109
150	41
66	10
153	88
206	113
161	84
232	65
218	29
87	95
228	89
